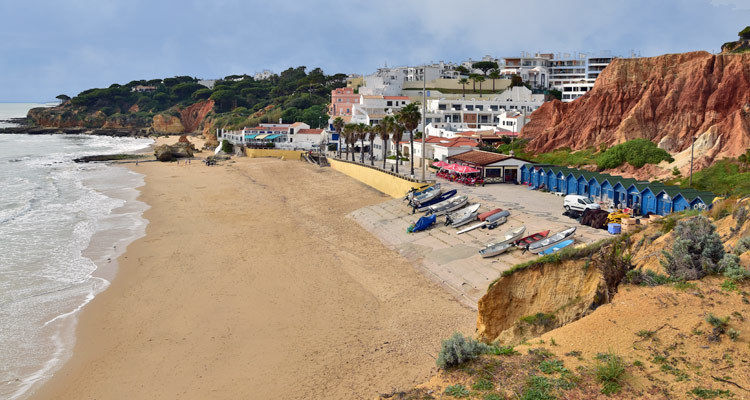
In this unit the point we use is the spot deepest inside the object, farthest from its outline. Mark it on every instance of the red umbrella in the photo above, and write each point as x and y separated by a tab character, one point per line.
439	164
451	167
465	169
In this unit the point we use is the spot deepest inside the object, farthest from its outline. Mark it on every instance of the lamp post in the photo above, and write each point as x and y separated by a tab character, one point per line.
424	127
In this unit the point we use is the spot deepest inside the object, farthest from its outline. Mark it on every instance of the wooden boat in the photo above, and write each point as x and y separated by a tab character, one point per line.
484	215
489	220
462	216
509	239
557	247
422	207
525	241
544	244
447	206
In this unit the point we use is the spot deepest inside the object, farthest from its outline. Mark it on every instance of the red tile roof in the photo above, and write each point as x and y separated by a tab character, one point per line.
395	97
309	131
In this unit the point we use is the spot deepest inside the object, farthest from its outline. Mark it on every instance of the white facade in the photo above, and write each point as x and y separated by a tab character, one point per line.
259	76
389	81
373	108
512	121
574	75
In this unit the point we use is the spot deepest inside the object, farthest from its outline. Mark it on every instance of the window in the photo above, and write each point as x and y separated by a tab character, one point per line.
480	108
469	107
493	108
389	103
441	107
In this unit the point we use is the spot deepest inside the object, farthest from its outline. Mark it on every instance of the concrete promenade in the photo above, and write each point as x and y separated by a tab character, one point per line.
451	259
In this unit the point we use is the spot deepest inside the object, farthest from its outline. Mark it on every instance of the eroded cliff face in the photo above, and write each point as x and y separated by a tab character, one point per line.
667	99
564	292
188	120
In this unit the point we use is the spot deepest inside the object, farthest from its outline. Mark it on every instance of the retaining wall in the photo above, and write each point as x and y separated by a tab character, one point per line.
287	154
390	184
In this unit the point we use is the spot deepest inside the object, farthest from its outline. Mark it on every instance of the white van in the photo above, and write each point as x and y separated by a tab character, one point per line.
579	204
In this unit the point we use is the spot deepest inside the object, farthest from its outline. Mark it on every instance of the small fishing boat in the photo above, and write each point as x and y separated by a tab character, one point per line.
525	241
416	191
544	244
462	216
425	195
484	215
497	217
493	249
557	247
423	223
422	207
447	206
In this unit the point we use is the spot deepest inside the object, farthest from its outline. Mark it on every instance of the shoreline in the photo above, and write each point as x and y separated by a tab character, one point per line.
75	379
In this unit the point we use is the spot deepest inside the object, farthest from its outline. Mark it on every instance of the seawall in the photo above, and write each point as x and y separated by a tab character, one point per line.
278	153
385	182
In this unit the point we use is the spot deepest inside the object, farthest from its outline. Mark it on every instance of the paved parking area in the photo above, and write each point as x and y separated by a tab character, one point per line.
451	259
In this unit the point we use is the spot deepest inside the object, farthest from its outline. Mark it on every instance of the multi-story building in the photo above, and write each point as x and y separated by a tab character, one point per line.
531	68
512	121
264	133
473	113
342	102
259	76
574	74
371	109
390	81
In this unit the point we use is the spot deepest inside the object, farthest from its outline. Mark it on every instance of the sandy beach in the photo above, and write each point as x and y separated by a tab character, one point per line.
253	282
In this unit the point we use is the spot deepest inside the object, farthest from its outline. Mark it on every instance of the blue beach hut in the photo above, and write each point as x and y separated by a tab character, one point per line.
583	185
680	203
606	189
571	184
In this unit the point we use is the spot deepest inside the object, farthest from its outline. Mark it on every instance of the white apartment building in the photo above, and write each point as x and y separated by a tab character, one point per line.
531	68
512	121
371	109
259	76
475	113
264	133
389	81
574	74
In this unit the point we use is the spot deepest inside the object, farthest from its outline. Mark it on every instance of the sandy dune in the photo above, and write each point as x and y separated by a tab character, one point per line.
252	282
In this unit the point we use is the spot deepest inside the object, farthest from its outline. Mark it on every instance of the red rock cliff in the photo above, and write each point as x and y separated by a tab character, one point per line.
666	99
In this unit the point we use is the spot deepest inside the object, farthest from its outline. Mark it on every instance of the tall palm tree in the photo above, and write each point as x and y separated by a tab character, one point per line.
494	74
349	135
409	116
398	134
479	79
473	78
463	82
374	131
385	134
362	130
338	125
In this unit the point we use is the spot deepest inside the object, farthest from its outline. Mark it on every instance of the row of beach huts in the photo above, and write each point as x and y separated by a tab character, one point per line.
618	192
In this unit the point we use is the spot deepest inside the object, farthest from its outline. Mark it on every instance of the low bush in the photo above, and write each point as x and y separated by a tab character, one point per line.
742	246
733	271
703	393
636	152
227	147
539	319
457	390
648	278
610	370
503	351
459	349
696	251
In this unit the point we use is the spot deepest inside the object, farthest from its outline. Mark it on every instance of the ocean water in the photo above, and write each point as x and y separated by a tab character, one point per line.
17	110
62	225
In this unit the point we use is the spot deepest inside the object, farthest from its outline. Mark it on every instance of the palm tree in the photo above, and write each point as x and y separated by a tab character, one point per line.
479	79
338	125
349	135
374	131
409	116
463	82
398	133
362	130
494	74
384	131
473	78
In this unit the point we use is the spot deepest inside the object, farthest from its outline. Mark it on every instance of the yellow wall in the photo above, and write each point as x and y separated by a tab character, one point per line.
287	154
382	181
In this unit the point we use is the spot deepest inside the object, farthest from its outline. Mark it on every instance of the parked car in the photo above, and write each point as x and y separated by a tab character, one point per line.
578	204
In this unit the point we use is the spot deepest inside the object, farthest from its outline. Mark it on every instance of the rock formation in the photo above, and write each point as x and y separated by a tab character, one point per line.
667	99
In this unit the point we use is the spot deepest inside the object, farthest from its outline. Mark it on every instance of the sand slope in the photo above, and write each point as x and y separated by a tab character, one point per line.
252	283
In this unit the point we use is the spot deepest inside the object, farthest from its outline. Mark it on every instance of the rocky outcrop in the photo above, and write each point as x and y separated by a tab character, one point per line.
181	149
193	116
166	123
667	99
557	293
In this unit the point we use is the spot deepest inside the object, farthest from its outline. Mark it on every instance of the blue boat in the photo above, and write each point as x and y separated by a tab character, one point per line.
557	247
445	196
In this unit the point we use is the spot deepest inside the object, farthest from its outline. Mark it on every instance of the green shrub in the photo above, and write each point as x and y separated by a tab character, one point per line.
459	349
648	278
227	147
552	366
539	319
702	393
636	152
538	388
742	246
457	390
483	384
696	251
503	351
745	33
733	271
717	322
610	373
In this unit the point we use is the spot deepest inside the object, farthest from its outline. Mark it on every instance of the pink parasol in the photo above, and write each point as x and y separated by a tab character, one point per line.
465	169
439	164
451	167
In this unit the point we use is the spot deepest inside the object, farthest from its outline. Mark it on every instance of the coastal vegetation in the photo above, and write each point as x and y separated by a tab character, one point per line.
239	100
728	177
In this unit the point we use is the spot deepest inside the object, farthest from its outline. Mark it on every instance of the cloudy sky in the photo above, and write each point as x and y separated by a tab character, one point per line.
49	47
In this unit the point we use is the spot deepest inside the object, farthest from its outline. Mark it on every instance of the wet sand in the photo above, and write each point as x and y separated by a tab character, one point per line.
253	282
